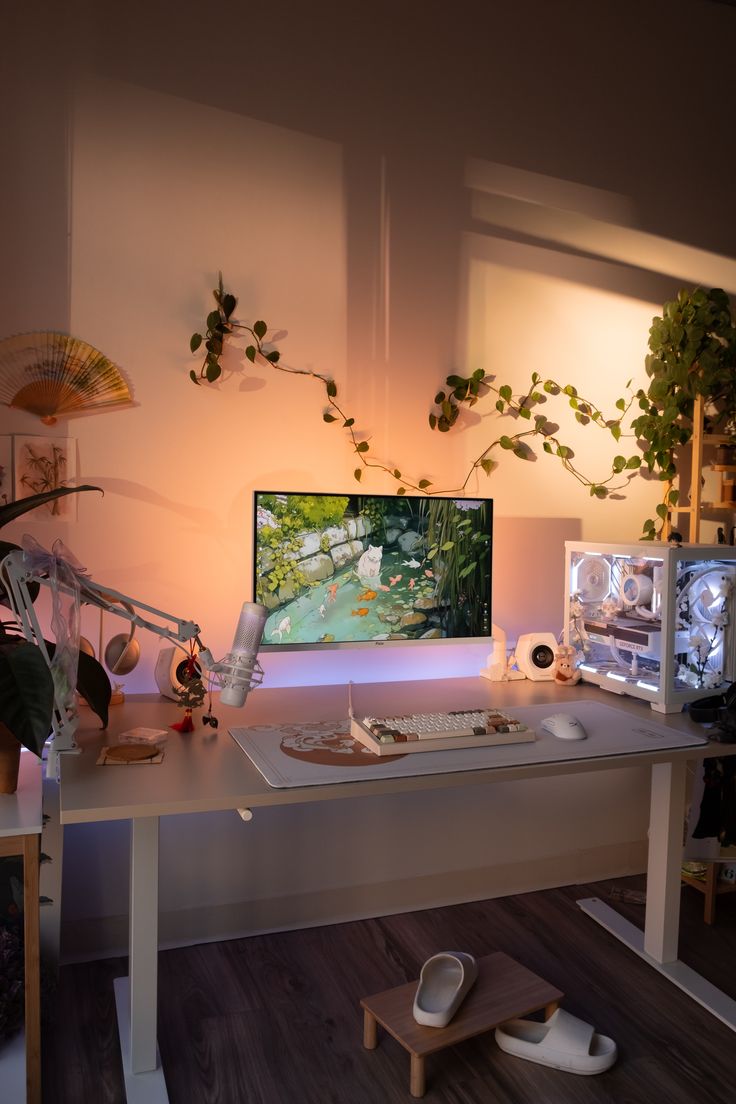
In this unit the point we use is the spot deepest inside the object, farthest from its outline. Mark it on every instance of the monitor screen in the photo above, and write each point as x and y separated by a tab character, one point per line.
372	569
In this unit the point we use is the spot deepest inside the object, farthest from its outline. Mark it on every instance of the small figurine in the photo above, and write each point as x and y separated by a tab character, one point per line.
721	535
566	673
675	538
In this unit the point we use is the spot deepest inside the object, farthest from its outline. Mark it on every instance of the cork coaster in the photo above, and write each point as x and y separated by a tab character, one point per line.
127	754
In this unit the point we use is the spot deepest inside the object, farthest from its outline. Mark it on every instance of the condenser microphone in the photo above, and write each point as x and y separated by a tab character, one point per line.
239	671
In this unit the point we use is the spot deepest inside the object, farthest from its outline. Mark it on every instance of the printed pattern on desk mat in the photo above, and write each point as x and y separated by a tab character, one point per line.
317	753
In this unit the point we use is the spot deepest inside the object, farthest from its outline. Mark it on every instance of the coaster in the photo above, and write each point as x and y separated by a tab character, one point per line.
129	754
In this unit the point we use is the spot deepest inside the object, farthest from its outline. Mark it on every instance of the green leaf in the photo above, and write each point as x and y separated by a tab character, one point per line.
506	442
616	432
229	302
348	423
447	546
397	473
250	352
212	319
487	465
331	388
662	510
456	381
432	421
213	371
260	329
633	462
564	452
195	341
362	446
673	497
27	694
547	446
401	491
620	404
525	412
500	405
424	483
466	571
193	377
439	398
432	553
570	390
327	417
9	511
274	356
358	474
505	392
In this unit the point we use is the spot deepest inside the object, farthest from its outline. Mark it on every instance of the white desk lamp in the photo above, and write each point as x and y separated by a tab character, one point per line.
237	673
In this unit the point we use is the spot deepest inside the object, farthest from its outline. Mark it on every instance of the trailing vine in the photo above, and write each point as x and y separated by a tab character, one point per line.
660	433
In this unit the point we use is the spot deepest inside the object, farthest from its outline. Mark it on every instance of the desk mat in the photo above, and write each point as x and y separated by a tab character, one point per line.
317	753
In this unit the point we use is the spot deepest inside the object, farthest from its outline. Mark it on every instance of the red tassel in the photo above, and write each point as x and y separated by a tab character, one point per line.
187	725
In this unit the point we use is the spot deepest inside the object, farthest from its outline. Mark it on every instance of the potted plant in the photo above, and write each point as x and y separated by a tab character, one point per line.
692	353
26	684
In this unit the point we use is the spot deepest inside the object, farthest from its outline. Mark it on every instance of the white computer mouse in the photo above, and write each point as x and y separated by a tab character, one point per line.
564	726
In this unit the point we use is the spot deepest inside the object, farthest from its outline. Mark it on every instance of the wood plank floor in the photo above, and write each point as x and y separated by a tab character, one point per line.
276	1019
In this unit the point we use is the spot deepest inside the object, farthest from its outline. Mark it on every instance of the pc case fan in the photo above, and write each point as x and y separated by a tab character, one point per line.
53	375
593	578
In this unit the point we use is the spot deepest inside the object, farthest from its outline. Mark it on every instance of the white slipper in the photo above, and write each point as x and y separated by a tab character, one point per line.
563	1042
443	984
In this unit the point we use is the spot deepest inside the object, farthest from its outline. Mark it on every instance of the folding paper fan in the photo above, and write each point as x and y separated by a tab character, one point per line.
54	375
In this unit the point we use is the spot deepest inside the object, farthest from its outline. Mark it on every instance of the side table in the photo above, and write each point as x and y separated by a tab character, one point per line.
504	990
20	834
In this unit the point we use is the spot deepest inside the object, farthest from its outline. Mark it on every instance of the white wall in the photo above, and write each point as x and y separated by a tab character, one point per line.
320	160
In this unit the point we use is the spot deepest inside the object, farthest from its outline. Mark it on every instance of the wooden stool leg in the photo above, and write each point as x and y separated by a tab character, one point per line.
370	1031
31	849
550	1008
416	1076
709	910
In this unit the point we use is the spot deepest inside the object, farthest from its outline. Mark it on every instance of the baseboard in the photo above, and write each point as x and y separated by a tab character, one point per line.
107	937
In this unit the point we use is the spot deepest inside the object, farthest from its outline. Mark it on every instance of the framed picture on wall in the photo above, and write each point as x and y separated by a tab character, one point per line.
6	469
43	464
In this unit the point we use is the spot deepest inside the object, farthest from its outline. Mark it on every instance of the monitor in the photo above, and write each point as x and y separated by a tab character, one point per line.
372	569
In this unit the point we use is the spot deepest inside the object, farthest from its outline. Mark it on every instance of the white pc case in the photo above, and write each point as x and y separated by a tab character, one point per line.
652	620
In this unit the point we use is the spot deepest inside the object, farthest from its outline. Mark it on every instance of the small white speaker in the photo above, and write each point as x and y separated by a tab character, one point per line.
170	671
535	655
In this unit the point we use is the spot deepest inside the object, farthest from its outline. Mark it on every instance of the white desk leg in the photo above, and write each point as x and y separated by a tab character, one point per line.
143	943
136	997
657	944
662	922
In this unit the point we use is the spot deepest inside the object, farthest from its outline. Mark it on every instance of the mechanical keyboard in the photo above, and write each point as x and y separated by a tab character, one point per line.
457	728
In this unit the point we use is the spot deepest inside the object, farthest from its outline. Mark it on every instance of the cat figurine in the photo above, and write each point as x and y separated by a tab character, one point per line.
369	564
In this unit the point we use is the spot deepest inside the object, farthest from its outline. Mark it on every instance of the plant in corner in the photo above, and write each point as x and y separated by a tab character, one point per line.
26	685
692	352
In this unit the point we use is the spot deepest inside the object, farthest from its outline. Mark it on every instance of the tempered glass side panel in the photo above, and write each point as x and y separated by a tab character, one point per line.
616	615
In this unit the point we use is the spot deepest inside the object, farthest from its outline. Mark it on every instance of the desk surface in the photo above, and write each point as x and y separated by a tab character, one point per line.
206	771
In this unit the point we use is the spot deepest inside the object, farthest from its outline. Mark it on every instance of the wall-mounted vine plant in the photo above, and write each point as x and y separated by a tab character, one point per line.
532	424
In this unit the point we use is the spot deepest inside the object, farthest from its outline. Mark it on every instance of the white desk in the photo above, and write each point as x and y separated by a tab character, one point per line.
200	774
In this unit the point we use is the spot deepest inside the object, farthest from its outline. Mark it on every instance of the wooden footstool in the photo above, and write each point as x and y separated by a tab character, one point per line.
504	990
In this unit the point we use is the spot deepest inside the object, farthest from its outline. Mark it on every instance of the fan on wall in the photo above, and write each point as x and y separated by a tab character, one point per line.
54	375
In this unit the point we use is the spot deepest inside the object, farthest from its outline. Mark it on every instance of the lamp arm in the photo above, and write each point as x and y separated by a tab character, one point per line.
16	575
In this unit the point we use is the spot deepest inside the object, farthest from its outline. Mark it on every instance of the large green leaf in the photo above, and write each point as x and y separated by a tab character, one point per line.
92	683
26	693
12	510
